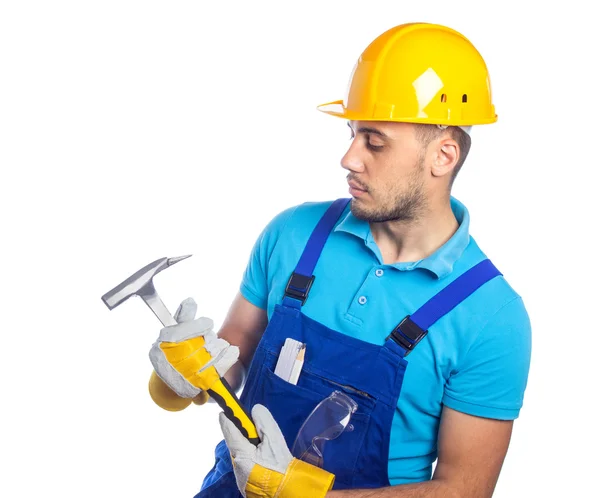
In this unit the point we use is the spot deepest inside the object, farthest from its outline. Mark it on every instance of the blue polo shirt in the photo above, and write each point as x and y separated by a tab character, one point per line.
475	359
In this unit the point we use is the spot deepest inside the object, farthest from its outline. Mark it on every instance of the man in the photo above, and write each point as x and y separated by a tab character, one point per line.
405	314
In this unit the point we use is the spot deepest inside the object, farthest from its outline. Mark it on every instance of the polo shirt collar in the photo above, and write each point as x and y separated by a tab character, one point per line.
440	263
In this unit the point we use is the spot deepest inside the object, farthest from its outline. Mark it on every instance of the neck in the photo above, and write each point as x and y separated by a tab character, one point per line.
409	241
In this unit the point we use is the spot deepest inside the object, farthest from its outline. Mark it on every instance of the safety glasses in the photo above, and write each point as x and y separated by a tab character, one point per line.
330	418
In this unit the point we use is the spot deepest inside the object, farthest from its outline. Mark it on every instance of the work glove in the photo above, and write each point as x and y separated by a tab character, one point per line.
269	470
188	358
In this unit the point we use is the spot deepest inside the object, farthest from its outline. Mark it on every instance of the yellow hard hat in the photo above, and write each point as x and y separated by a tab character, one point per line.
418	73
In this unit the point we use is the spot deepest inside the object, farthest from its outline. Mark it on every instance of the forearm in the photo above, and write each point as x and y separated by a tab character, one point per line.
428	489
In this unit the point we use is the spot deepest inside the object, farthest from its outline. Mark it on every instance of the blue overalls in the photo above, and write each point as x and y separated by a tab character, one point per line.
370	374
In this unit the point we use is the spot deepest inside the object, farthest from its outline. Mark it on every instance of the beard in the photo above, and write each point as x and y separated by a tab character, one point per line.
405	206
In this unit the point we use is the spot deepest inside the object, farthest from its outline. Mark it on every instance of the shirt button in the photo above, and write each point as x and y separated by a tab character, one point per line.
362	300
379	272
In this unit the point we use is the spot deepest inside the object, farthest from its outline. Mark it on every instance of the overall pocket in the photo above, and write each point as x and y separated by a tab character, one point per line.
291	404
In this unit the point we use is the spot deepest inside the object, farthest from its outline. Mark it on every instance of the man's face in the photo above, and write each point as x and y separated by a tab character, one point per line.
386	172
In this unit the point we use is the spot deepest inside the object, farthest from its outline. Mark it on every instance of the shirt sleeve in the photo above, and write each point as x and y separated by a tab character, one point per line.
491	380
254	286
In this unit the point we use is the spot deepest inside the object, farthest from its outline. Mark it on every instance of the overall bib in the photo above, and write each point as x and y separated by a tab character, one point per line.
370	374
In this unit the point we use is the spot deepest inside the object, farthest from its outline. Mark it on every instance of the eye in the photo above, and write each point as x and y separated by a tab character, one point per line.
372	146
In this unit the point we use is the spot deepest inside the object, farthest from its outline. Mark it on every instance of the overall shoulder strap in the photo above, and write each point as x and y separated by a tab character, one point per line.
301	280
414	327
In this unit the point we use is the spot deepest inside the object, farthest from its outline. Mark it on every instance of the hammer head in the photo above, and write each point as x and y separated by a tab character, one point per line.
138	281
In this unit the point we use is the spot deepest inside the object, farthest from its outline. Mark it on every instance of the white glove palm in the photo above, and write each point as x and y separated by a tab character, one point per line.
183	351
272	453
269	470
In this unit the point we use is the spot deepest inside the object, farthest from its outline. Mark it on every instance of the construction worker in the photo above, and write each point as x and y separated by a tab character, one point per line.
397	305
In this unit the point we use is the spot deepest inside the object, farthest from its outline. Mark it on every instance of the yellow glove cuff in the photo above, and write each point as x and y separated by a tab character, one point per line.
304	479
263	482
164	397
301	479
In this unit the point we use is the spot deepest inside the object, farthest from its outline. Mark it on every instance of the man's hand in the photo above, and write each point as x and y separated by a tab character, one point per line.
183	353
269	470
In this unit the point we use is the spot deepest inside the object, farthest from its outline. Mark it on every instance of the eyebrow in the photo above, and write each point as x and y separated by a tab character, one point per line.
366	129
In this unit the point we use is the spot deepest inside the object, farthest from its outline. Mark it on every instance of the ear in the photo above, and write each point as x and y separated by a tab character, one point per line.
445	157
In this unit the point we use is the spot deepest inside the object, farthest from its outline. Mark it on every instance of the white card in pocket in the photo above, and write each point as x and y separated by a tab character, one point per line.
290	361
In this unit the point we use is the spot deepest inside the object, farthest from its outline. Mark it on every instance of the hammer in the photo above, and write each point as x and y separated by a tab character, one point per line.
140	284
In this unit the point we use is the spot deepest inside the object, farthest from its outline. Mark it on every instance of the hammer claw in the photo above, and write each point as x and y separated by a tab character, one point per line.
177	259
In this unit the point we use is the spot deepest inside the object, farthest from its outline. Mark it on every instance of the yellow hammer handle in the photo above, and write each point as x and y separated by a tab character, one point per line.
222	393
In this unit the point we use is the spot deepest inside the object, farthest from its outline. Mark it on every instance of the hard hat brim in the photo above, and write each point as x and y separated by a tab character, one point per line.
337	109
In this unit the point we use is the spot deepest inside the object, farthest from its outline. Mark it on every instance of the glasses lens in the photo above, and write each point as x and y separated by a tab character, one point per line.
326	422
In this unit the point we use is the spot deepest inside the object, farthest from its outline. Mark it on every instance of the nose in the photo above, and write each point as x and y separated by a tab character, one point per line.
352	160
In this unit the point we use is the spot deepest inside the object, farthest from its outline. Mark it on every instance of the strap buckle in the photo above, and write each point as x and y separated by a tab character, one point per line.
407	334
298	286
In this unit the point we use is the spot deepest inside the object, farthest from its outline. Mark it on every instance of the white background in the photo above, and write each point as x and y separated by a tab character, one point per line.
133	130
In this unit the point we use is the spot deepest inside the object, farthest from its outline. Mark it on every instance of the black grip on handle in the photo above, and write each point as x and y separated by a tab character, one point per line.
229	413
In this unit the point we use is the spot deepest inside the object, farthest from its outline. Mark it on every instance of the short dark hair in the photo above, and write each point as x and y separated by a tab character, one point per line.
426	133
